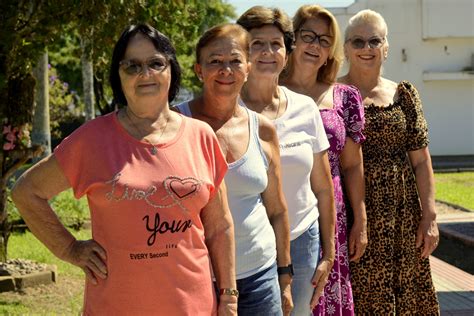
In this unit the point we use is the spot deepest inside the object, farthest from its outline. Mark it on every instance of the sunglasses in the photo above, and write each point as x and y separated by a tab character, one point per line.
359	43
133	67
309	37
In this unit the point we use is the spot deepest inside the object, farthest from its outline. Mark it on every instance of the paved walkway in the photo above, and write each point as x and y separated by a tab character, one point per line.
454	286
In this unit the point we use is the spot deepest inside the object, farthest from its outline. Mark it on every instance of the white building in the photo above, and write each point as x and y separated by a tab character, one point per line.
432	46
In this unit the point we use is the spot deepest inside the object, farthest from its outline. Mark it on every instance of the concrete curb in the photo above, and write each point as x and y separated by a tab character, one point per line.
19	282
459	207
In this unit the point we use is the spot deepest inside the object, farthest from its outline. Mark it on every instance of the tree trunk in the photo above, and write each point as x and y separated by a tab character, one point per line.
87	76
4	223
41	133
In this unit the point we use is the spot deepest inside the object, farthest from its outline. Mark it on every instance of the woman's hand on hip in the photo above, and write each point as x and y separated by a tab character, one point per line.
320	279
90	257
427	236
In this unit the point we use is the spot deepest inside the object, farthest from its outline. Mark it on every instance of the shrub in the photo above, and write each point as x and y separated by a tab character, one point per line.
65	105
71	212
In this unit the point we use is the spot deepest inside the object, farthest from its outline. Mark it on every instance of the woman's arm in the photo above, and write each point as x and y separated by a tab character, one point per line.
321	184
219	232
427	234
352	168
277	210
31	194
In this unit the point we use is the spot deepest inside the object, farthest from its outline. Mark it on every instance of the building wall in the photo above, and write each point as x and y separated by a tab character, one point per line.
438	58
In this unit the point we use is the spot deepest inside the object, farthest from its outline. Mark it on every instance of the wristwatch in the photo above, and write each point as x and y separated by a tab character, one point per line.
286	270
232	292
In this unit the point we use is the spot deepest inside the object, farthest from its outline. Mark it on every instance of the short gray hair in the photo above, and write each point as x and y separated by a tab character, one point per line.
365	16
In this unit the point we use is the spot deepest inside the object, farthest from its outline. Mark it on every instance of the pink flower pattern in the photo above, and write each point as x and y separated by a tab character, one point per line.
345	119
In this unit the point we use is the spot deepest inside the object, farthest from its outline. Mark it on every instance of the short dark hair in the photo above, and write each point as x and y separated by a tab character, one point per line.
162	44
260	16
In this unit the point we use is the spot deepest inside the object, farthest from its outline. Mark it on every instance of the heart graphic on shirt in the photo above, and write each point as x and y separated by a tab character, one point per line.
183	187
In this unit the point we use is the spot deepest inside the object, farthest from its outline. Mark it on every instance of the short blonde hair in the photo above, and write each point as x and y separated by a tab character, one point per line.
366	17
327	73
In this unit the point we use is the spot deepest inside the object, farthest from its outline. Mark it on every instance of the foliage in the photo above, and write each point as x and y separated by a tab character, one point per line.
64	104
71	211
456	188
65	57
29	28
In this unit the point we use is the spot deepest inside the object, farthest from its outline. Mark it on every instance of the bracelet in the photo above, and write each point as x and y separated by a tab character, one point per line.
232	292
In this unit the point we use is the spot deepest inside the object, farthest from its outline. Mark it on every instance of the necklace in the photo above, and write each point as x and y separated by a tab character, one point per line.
153	149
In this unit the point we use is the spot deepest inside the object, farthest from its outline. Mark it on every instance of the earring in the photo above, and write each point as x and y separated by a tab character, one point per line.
326	63
200	78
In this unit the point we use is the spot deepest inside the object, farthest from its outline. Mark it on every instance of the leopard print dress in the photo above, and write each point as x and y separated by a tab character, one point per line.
391	278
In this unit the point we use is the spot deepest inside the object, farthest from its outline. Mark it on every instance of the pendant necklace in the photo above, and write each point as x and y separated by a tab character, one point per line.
153	149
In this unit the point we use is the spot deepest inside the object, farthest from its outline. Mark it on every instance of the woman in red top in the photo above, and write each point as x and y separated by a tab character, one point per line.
153	180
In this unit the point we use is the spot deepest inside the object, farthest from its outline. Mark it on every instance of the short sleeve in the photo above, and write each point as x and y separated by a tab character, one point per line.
73	159
320	141
353	113
417	127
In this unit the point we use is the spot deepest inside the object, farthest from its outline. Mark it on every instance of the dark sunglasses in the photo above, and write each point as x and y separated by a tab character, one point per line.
309	37
359	43
133	67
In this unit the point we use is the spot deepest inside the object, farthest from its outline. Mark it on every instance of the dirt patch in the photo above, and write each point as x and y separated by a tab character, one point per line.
61	298
446	209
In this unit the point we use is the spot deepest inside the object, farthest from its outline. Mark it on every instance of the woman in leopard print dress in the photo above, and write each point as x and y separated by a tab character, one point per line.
393	277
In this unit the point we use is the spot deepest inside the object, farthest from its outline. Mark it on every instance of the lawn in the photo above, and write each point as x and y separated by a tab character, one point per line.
65	297
456	188
62	298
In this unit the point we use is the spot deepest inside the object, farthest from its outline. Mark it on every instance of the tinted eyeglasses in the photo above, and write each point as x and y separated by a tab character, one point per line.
133	67
359	42
309	37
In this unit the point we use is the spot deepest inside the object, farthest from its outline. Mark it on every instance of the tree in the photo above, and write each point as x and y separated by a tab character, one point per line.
27	28
41	129
30	26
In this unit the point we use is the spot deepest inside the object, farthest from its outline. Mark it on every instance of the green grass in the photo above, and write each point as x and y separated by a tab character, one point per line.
64	298
26	246
456	188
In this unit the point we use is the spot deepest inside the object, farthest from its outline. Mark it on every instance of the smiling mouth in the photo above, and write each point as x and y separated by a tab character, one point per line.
266	62
316	55
227	83
366	57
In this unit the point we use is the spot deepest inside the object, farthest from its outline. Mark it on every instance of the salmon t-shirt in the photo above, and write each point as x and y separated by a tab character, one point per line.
146	213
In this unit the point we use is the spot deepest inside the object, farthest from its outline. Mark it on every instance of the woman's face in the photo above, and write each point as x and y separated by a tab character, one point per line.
313	43
223	66
366	46
144	71
267	51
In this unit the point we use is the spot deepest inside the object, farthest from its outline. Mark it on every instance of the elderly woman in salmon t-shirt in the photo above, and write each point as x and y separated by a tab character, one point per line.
153	179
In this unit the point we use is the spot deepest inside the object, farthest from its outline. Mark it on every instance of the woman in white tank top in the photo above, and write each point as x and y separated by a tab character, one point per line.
250	144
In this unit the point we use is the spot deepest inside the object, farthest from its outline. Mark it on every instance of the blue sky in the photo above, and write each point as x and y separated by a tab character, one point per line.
289	6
